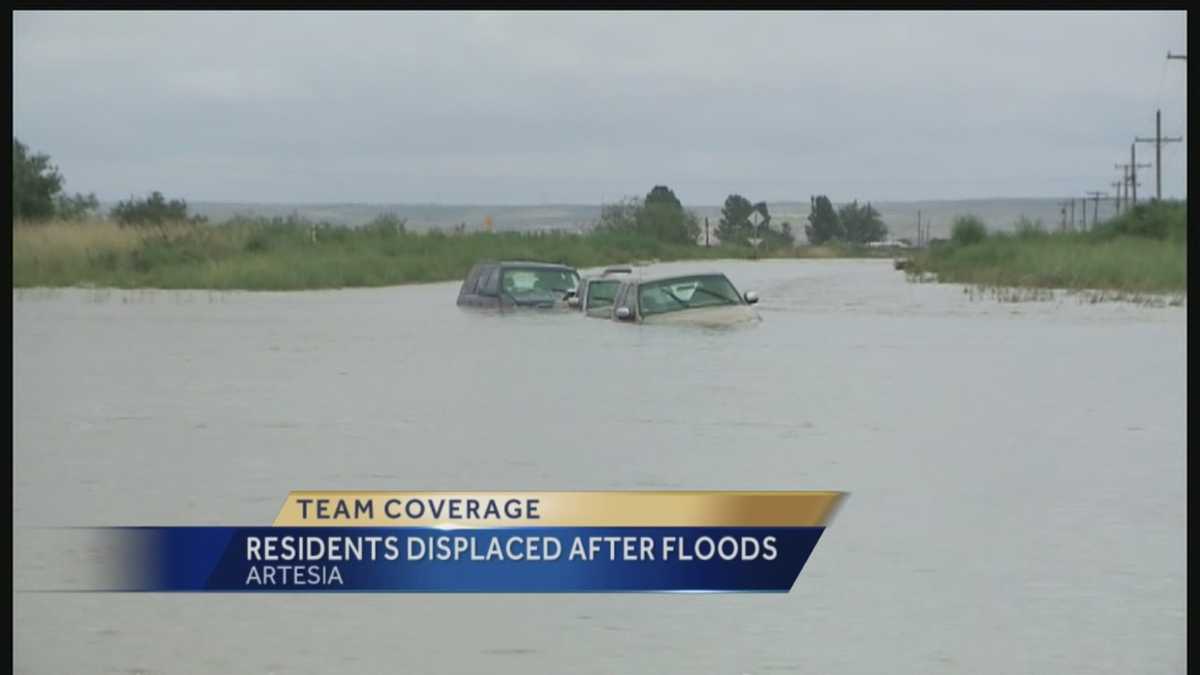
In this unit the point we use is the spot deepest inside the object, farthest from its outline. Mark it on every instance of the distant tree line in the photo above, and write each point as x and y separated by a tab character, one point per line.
37	188
853	223
37	195
660	215
153	210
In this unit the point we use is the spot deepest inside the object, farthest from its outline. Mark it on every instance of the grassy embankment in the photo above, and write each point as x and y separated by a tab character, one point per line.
1144	250
260	255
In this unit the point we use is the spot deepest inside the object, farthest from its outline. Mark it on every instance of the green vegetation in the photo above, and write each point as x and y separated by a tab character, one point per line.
861	224
1144	250
852	224
153	242
288	254
967	230
153	211
293	254
660	216
37	189
823	224
735	225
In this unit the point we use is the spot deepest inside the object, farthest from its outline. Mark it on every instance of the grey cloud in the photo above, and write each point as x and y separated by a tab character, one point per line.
573	107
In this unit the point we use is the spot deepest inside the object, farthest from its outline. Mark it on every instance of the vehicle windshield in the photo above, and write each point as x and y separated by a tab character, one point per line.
671	295
601	293
518	281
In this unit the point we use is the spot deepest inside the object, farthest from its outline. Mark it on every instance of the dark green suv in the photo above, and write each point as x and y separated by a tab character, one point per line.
502	284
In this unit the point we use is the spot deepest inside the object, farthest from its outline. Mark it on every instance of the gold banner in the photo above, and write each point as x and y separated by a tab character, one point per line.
558	509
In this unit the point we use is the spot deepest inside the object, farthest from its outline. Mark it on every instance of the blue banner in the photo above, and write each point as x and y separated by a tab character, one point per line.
485	560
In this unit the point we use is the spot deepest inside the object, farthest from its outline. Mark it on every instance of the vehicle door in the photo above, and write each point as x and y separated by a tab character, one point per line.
488	290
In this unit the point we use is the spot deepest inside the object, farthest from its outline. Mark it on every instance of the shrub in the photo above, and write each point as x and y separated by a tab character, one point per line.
1151	220
153	210
967	230
387	224
1028	228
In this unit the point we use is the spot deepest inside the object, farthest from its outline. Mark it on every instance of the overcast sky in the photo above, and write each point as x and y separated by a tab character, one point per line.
529	108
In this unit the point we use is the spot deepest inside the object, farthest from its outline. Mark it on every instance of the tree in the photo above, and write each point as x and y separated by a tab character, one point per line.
784	237
662	195
734	226
619	216
862	224
663	217
967	230
76	207
38	189
660	215
35	184
154	210
387	223
823	223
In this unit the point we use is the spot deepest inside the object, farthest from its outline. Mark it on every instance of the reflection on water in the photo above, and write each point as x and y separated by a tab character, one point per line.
1017	470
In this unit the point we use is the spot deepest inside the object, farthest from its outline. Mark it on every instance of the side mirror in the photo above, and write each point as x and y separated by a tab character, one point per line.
751	297
624	313
573	301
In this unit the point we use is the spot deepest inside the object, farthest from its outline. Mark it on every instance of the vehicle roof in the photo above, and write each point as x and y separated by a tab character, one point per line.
670	277
527	263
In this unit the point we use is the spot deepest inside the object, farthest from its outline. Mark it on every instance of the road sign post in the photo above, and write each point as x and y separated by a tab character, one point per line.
756	221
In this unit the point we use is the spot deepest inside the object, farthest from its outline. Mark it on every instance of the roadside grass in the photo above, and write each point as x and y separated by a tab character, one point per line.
1142	251
285	256
291	254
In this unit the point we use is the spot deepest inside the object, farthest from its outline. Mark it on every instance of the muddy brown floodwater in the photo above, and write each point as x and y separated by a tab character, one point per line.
1017	471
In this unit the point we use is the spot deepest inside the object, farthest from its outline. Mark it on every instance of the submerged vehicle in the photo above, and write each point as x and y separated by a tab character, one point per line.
704	299
595	295
502	284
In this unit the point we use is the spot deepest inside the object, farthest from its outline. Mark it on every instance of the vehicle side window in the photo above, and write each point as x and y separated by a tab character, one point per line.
472	279
489	283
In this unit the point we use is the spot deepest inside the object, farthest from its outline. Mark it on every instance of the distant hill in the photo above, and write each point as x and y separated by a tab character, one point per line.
900	217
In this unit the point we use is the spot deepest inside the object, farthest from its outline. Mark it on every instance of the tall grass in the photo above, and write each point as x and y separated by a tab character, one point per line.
280	255
1143	250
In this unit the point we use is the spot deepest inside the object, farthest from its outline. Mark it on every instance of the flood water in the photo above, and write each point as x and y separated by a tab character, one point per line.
1017	471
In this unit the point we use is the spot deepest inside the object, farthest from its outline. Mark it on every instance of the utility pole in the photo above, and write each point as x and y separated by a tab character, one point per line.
1083	215
920	233
1124	181
1158	140
1095	206
1062	210
1072	226
1128	169
1133	167
1116	185
706	232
